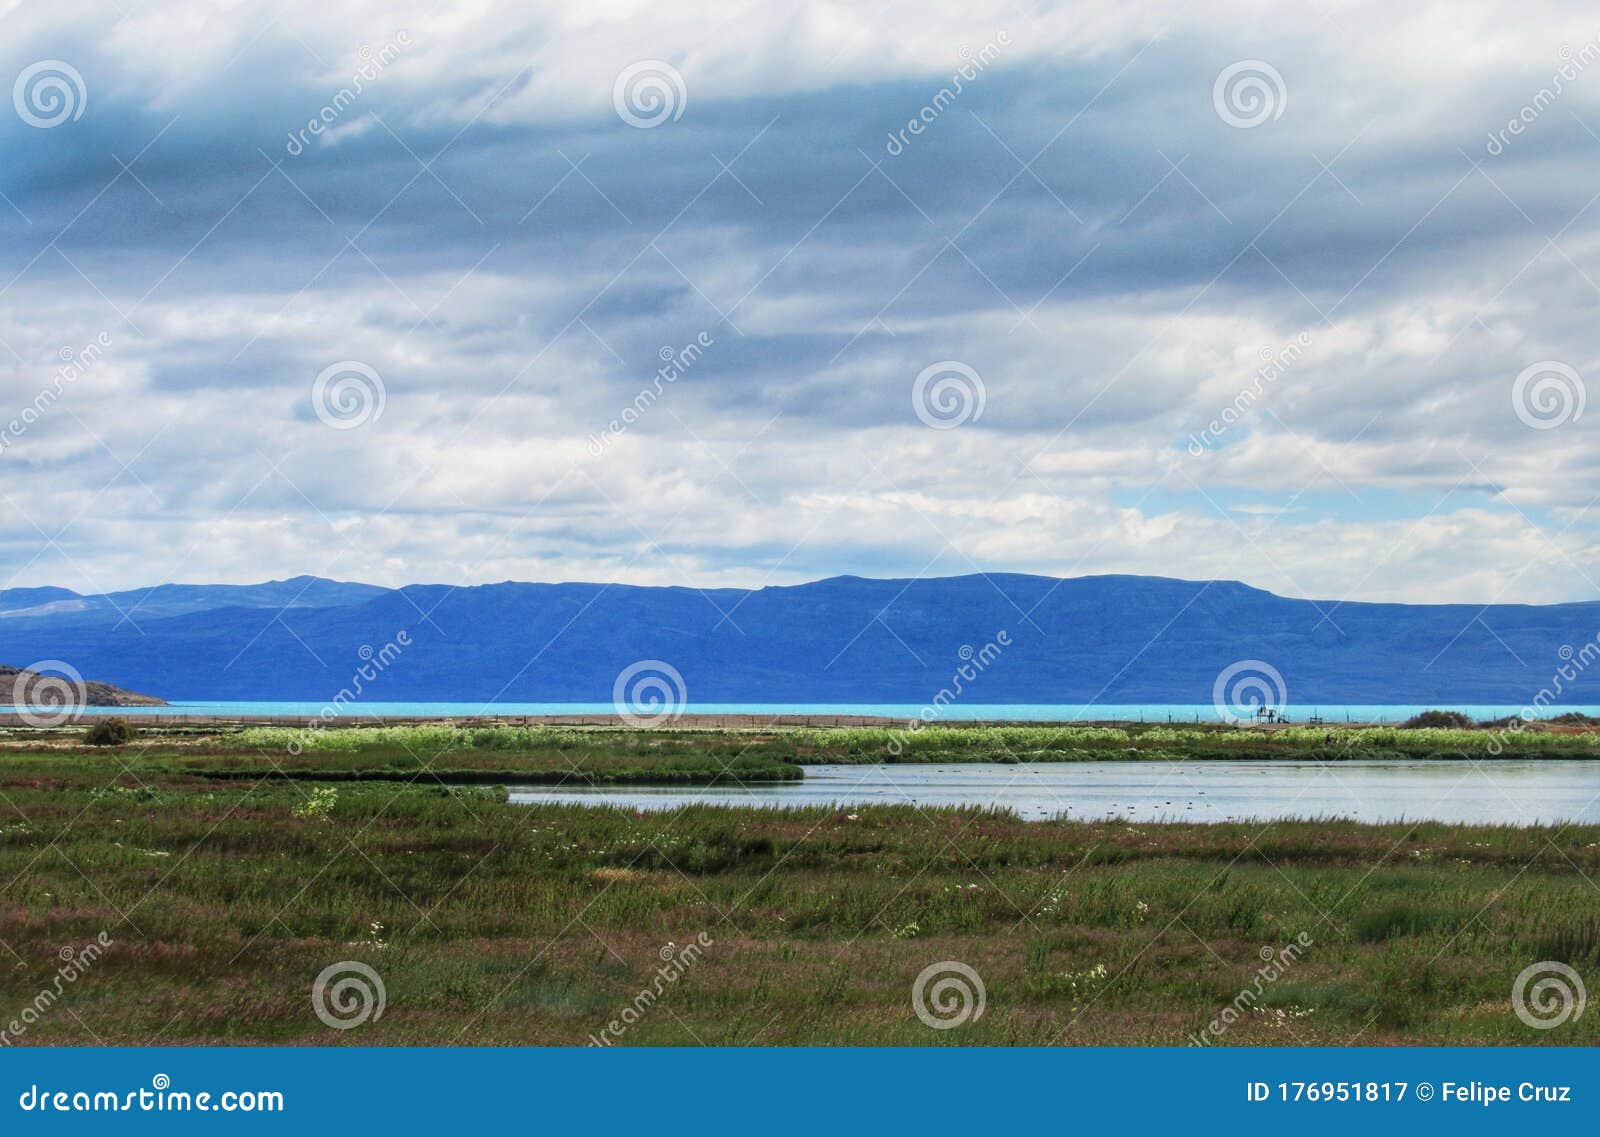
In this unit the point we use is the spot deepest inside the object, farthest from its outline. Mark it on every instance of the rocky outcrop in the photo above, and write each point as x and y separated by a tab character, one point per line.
20	687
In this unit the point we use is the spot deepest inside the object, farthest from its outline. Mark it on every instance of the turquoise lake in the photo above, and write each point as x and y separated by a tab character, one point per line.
1028	712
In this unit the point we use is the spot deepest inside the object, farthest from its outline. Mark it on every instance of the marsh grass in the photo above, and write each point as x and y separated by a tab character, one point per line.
508	924
613	748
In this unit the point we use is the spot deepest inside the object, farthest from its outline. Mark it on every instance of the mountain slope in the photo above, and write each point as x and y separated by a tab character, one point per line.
20	686
1109	639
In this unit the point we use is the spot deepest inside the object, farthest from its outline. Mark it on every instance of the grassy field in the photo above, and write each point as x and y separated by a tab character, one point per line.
213	878
635	755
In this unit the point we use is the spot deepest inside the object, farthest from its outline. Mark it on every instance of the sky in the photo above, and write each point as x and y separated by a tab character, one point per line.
748	294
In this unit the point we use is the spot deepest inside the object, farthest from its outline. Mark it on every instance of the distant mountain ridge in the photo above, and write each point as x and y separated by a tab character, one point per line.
177	599
1106	639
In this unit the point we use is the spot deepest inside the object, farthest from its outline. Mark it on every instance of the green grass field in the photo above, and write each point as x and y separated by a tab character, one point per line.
227	872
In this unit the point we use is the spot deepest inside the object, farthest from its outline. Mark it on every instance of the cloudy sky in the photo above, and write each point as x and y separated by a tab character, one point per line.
1194	289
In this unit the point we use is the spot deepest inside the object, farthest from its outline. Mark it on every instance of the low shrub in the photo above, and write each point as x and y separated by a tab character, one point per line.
1446	720
1393	920
109	732
1576	718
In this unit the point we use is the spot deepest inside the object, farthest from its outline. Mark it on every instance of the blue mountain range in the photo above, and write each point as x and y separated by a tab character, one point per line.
1106	639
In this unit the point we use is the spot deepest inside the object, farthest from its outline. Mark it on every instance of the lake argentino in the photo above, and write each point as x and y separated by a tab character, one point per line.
1505	791
308	710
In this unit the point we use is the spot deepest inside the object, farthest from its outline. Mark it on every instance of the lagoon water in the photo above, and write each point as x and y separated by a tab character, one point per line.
1009	712
1490	792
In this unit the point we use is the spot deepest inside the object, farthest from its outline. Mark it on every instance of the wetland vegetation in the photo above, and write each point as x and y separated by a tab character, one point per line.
227	869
